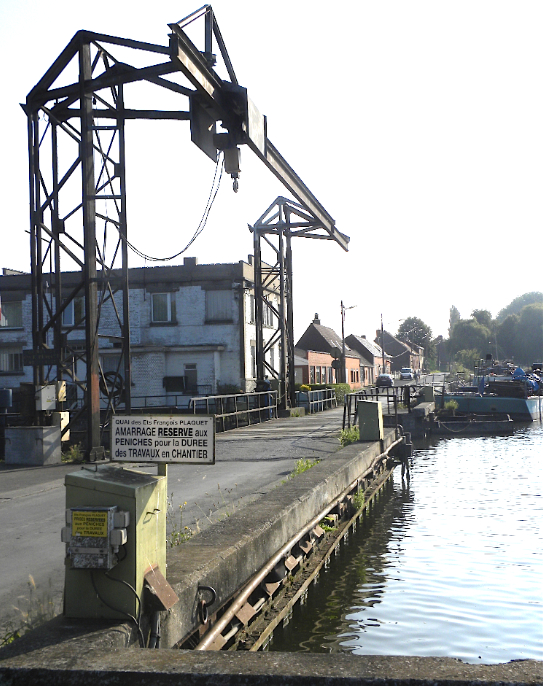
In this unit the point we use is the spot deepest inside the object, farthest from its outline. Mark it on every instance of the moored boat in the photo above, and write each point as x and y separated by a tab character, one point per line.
473	425
517	395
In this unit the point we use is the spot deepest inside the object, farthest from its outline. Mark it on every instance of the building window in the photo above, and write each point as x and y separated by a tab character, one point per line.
11	360
218	306
12	315
267	316
253	361
311	375
174	384
74	312
251	309
162	308
191	378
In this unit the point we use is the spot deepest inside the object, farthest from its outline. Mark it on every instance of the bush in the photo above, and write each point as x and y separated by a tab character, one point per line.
342	389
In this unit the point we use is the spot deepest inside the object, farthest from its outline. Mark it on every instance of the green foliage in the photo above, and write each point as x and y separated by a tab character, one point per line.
451	406
516	305
467	359
342	389
174	523
73	453
468	334
302	466
454	317
506	335
349	436
414	330
359	499
483	317
529	340
328	523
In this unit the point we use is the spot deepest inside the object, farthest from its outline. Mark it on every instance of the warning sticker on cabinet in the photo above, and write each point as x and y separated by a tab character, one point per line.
88	523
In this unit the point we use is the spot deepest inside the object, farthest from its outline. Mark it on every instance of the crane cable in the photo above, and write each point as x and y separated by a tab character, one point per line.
219	168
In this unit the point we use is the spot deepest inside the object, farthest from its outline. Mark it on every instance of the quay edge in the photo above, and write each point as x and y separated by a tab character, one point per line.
225	556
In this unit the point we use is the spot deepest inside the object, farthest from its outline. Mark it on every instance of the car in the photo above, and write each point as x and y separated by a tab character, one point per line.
406	373
384	380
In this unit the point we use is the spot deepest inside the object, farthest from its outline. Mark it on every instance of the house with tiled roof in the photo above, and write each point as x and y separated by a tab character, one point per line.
377	363
402	354
323	347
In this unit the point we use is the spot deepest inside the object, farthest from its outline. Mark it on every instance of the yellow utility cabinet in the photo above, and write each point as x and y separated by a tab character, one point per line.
115	533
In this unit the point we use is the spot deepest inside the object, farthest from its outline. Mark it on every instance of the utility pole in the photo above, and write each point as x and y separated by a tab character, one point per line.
343	370
383	344
343	364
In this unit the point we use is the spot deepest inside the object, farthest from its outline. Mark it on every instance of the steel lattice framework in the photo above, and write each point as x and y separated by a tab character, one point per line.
79	236
283	220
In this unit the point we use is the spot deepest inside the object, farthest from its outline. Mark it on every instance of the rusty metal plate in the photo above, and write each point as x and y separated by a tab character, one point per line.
271	588
245	613
291	562
160	588
318	532
305	546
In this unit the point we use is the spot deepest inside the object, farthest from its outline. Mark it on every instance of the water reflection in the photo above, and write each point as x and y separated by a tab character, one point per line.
449	563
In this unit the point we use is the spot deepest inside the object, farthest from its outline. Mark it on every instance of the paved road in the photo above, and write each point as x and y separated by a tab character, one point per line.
249	462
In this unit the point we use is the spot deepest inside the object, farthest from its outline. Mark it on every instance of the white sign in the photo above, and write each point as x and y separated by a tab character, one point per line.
159	438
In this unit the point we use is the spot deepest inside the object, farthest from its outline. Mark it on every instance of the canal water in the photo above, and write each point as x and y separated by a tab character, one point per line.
448	563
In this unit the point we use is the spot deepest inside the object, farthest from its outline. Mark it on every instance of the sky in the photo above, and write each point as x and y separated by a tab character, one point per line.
417	125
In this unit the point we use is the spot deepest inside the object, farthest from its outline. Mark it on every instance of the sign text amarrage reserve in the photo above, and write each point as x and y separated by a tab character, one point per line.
160	438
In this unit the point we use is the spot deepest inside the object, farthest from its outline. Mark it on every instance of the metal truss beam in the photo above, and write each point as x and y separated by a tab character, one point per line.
76	127
273	277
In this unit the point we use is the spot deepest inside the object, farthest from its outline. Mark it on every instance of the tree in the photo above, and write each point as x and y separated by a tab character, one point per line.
516	305
529	339
483	317
507	335
468	334
414	330
467	358
454	316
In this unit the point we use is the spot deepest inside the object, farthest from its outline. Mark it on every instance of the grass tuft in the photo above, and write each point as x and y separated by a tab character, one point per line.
349	436
303	464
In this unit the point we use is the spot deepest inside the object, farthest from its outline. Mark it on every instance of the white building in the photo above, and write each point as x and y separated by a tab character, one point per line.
192	330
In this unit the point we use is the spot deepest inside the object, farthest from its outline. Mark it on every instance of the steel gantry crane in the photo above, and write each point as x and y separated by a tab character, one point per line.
77	161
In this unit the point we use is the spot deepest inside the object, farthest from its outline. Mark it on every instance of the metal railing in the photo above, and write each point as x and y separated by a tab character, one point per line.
241	409
316	401
393	395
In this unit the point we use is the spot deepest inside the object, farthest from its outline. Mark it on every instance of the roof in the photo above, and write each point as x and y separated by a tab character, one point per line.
300	358
394	346
364	346
319	338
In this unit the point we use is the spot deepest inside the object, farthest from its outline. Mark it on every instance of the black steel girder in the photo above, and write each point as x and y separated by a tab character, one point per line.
83	121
